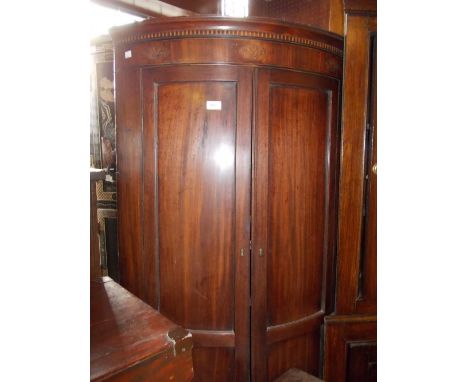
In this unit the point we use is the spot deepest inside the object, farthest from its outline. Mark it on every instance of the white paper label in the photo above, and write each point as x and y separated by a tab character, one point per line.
128	53
213	105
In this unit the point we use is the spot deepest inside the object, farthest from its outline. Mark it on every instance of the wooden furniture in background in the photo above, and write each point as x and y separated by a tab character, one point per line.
228	149
130	341
95	263
350	346
325	14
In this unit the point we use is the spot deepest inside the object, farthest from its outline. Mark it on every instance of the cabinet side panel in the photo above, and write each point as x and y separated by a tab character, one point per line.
129	181
196	203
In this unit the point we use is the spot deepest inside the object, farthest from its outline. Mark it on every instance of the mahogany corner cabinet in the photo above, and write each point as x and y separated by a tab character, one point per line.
228	146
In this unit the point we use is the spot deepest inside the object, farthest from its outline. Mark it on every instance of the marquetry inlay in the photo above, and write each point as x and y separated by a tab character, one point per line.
252	52
157	53
333	65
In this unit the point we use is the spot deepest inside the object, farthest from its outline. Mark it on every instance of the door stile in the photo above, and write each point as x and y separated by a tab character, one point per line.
243	202
259	225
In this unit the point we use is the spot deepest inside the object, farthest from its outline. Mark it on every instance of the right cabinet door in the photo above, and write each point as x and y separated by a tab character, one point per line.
295	154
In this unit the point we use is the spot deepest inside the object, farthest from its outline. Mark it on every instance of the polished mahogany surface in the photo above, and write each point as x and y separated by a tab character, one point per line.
196	204
297	140
204	186
131	341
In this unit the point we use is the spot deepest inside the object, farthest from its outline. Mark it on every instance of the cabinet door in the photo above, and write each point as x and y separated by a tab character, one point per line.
196	194
294	218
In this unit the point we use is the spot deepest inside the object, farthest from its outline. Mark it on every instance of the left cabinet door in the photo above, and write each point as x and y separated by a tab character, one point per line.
195	199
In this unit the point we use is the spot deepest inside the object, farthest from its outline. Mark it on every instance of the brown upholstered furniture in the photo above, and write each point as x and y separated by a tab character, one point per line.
296	375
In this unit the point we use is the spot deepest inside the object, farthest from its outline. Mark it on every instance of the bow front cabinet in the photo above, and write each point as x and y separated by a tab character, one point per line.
228	136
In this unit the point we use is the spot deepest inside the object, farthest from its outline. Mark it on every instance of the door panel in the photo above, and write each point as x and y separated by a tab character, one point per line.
295	152
196	163
221	361
196	203
299	352
296	202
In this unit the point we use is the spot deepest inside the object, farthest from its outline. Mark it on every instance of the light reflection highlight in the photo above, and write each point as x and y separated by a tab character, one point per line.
224	157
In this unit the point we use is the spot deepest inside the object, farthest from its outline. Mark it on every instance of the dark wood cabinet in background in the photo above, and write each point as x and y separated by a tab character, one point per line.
351	334
228	148
351	348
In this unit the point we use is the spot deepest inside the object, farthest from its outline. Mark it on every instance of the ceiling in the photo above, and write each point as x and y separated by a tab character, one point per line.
198	6
324	14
